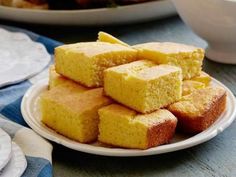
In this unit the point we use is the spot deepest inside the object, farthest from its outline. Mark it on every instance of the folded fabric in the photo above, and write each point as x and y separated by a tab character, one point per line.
37	150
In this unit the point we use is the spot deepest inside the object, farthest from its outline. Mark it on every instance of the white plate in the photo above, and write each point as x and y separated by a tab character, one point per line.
31	114
17	165
20	57
101	16
5	148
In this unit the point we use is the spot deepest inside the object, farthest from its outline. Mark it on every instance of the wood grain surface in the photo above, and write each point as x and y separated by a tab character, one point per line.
215	158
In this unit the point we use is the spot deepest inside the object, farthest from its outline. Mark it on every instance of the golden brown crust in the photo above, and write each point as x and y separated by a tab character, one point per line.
157	135
161	133
76	139
112	145
198	124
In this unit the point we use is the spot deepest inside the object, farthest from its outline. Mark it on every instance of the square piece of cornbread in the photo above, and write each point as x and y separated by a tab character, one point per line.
126	128
84	62
199	110
143	86
56	79
72	111
188	58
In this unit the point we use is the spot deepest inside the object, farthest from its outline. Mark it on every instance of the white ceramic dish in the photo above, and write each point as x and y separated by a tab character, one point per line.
214	21
31	114
5	148
20	57
121	14
17	164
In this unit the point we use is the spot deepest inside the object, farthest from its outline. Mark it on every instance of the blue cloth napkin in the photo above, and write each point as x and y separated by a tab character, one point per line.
37	150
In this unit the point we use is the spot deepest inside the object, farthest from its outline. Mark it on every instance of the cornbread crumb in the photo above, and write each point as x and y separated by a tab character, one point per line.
72	112
124	127
203	77
190	86
199	110
85	62
143	86
188	58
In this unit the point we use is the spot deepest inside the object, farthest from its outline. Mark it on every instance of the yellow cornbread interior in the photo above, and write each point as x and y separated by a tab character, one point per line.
124	127
143	86
203	77
197	103
198	82
56	79
190	86
85	62
188	58
72	111
105	37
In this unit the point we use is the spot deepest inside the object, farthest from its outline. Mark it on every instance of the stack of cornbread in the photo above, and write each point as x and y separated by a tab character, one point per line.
129	96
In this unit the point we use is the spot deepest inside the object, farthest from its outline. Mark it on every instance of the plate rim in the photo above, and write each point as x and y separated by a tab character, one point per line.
45	58
8	157
84	10
18	163
105	16
202	137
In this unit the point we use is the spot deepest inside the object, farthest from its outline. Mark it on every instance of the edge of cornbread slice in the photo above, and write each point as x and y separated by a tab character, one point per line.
105	37
85	62
143	86
188	58
199	110
123	127
72	112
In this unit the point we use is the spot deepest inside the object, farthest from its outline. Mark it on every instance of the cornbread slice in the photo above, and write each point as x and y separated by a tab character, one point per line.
190	86
72	112
143	86
56	79
105	37
124	127
203	77
188	58
199	110
85	62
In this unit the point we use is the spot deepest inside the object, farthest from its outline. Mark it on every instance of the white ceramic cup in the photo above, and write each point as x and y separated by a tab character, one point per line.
214	21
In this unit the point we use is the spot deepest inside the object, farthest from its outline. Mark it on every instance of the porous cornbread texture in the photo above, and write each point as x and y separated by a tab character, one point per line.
199	110
105	37
198	82
85	62
72	111
203	77
188	58
124	127
143	86
190	86
56	79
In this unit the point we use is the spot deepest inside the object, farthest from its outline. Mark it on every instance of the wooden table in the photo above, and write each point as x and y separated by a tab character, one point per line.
215	158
